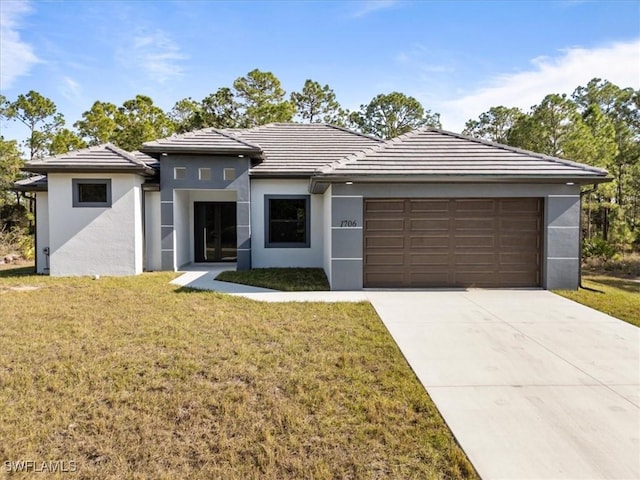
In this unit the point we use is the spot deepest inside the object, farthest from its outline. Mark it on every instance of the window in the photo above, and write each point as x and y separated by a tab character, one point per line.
287	221
91	192
229	174
204	174
179	173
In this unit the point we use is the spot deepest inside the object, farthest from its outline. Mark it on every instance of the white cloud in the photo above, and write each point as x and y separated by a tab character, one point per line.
70	89
16	55
155	53
365	7
619	63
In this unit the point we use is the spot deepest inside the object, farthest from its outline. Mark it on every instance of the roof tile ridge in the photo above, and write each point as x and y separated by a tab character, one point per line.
353	132
361	154
236	138
522	151
129	156
355	156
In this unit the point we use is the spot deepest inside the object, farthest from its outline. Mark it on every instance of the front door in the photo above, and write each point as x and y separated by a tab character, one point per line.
215	231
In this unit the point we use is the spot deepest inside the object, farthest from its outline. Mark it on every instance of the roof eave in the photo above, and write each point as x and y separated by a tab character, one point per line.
140	170
190	150
320	182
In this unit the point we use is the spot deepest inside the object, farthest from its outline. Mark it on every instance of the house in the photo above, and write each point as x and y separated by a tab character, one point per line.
427	209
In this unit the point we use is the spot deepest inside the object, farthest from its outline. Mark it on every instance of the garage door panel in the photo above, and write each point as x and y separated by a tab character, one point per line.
384	242
474	224
429	241
493	242
430	259
385	225
384	259
477	241
383	206
519	206
424	224
432	207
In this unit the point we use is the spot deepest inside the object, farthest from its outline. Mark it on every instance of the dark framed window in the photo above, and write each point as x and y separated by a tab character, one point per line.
91	192
287	221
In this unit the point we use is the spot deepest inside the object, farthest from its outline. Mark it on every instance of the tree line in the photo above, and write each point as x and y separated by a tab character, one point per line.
598	124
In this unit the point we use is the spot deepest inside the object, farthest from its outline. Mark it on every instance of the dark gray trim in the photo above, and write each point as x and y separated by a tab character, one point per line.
267	222
76	182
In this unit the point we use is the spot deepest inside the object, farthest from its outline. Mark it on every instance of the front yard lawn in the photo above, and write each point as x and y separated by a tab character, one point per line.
285	279
133	378
619	297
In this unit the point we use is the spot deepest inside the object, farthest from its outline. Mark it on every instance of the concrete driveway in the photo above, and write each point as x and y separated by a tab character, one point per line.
532	385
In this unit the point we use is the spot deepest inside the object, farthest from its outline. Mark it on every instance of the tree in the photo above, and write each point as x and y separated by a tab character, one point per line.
388	116
494	125
10	163
316	103
139	120
40	116
262	99
186	115
98	124
64	140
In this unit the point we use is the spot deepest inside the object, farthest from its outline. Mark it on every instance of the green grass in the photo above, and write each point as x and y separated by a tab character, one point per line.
135	378
619	297
285	279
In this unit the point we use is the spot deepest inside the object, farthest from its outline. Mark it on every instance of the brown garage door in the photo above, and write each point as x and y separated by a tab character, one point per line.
487	242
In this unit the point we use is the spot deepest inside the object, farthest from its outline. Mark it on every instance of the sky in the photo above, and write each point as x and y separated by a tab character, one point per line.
458	58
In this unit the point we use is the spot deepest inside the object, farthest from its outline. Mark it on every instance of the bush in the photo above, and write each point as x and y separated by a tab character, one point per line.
16	241
599	249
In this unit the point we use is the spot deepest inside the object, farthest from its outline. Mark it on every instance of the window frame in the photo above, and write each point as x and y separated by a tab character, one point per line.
77	182
267	222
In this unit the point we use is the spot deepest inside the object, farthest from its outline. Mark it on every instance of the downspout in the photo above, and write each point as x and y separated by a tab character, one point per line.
143	205
582	194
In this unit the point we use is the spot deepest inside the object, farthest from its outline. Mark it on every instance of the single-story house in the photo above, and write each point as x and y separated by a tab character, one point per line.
430	208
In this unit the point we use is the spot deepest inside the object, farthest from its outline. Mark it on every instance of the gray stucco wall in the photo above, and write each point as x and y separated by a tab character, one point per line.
192	164
561	230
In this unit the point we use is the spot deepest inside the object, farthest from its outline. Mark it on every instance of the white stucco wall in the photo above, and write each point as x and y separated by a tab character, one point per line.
152	232
42	231
95	240
262	257
326	204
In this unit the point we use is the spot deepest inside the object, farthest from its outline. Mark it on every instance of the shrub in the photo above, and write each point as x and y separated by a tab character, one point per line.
16	241
599	249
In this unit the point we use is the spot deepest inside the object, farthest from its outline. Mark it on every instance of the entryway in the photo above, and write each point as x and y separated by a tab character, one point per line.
215	237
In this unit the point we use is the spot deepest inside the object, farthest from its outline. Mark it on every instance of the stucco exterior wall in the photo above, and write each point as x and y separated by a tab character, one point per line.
176	220
327	218
561	230
263	257
153	259
42	232
95	240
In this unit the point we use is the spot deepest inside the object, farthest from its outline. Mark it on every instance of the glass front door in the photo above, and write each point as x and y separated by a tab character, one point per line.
215	231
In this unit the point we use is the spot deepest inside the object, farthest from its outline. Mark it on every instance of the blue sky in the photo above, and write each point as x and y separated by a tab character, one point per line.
458	58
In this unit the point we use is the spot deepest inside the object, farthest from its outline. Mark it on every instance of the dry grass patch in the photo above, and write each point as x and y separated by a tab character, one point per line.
131	378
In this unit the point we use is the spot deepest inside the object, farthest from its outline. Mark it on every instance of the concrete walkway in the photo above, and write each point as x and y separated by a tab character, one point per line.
532	385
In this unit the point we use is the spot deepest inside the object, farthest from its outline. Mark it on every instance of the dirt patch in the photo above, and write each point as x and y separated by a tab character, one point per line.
19	288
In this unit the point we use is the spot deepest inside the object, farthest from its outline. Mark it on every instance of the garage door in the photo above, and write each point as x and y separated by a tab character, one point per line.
488	242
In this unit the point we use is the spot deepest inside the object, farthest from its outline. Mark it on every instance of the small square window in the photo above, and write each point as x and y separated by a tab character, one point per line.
287	221
91	192
204	174
229	174
179	173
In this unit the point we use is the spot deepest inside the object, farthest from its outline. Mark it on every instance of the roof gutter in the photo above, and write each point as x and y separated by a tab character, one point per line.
319	183
147	171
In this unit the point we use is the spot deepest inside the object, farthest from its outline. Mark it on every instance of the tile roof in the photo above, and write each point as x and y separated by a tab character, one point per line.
437	153
37	183
104	158
299	148
207	140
